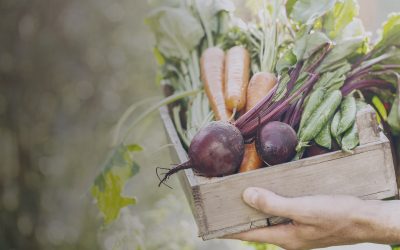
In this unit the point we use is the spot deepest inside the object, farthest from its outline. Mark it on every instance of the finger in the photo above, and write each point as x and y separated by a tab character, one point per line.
270	203
277	235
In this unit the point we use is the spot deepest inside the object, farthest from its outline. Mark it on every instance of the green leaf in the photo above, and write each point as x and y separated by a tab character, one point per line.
343	50
211	16
307	11
353	29
289	6
211	8
286	61
109	184
134	148
390	35
394	118
339	17
396	247
334	78
308	44
177	31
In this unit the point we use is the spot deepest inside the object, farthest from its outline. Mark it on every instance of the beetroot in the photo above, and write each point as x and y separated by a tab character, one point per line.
276	143
216	150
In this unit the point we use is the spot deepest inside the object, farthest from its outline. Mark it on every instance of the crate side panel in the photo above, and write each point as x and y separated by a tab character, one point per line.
360	175
186	177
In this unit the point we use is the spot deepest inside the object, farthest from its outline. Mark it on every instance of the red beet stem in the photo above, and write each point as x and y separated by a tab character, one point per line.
253	114
347	89
364	72
295	117
277	110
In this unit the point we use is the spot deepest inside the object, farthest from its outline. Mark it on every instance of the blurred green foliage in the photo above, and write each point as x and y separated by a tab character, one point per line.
68	70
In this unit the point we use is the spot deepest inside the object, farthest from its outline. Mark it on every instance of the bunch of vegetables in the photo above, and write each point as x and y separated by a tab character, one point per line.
245	95
312	68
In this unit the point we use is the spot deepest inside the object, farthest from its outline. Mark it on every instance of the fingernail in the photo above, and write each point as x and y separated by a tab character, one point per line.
250	196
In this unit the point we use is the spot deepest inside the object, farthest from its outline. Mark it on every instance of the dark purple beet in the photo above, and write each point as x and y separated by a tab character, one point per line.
216	150
276	143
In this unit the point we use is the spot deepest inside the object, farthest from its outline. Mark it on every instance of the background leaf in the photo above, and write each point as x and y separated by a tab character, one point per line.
109	184
390	34
177	32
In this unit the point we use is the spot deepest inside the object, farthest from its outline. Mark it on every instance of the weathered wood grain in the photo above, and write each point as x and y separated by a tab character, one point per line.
219	210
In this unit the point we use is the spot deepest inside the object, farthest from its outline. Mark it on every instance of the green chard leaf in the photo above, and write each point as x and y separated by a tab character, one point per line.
109	184
307	11
336	20
176	30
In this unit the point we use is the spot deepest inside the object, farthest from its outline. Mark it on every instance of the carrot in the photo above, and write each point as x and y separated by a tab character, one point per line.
237	74
212	65
260	84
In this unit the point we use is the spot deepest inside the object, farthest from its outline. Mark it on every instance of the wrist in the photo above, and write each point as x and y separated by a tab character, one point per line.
378	221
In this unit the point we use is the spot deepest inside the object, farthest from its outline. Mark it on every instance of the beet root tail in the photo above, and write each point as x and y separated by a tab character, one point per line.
171	171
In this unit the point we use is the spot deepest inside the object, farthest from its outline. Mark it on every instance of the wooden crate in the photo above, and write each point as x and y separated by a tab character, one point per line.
217	205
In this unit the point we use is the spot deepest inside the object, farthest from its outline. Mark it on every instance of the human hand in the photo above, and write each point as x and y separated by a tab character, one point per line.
322	221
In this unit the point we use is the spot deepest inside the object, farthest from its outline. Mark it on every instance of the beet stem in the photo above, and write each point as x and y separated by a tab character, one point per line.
266	102
364	72
347	89
250	128
295	117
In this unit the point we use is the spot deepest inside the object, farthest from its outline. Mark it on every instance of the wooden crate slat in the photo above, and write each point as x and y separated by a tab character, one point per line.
216	202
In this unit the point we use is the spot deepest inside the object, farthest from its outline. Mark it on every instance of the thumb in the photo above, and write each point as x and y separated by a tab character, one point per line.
269	202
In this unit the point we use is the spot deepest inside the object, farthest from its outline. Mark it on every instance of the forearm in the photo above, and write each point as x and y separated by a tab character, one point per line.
381	220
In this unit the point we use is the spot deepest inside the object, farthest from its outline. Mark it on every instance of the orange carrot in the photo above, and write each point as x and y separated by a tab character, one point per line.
212	65
259	86
237	74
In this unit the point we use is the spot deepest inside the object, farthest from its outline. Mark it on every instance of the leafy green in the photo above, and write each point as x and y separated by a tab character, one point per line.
210	9
289	6
390	35
394	118
176	30
336	20
212	18
286	61
307	11
353	29
309	44
344	49
334	79
109	184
